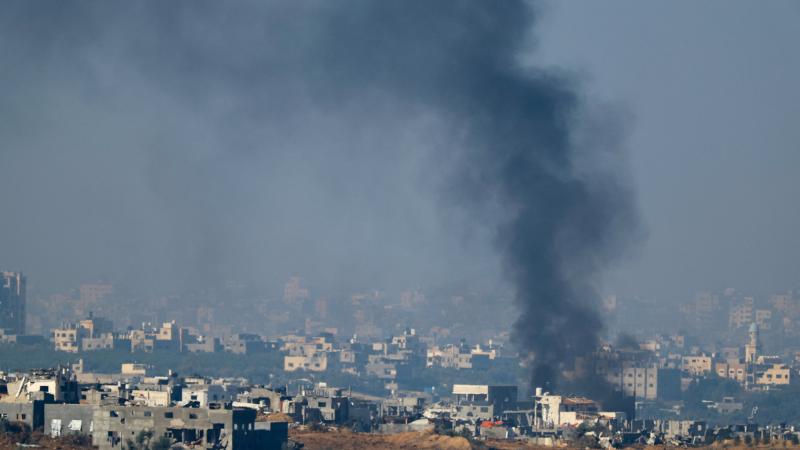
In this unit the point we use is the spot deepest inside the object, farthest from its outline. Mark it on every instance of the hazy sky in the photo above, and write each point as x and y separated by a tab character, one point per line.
128	154
713	88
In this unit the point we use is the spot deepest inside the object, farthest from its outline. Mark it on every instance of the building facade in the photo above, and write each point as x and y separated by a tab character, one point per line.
12	302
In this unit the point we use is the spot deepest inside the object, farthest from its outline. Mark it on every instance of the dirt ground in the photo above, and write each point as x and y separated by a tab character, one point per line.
37	441
315	440
345	439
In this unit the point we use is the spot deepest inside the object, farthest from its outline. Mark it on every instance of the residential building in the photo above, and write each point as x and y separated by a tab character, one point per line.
646	383
92	333
92	293
501	397
696	365
205	394
741	314
244	344
557	411
764	319
776	374
12	302
67	338
732	369
316	362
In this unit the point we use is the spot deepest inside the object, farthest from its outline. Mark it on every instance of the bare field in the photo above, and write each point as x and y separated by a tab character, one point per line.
345	439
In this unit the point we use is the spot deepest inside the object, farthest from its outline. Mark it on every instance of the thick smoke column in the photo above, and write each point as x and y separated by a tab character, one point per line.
183	140
564	219
558	201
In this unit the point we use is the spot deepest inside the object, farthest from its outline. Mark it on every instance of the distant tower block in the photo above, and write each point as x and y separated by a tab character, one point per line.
753	347
12	302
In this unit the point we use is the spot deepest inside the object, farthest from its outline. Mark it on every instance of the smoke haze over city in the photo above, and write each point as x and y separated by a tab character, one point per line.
180	144
427	224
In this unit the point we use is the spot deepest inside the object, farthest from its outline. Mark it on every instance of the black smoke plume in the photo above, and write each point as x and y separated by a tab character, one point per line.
183	141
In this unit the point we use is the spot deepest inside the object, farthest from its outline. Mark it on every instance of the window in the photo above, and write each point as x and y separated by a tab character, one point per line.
148	413
168	415
322	404
192	416
484	409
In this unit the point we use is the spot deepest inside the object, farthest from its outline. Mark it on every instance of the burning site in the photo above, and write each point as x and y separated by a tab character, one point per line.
382	224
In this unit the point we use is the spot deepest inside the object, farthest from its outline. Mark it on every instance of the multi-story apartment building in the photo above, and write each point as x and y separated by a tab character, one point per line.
696	365
775	374
732	369
741	313
12	302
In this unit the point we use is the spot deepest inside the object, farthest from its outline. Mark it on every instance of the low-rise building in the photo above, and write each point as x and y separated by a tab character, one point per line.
500	397
316	362
557	411
244	344
697	365
205	394
111	427
67	338
732	369
776	374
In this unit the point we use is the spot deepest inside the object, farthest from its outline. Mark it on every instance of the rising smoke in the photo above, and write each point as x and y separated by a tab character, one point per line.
195	140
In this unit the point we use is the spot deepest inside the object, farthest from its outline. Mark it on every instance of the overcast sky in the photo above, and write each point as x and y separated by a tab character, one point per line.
128	154
713	88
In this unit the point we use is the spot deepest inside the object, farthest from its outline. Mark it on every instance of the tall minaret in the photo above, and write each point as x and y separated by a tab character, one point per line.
753	347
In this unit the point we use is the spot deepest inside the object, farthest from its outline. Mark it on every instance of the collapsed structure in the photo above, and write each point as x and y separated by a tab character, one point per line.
193	412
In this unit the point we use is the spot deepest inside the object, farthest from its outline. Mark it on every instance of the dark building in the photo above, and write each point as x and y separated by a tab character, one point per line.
12	302
30	413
